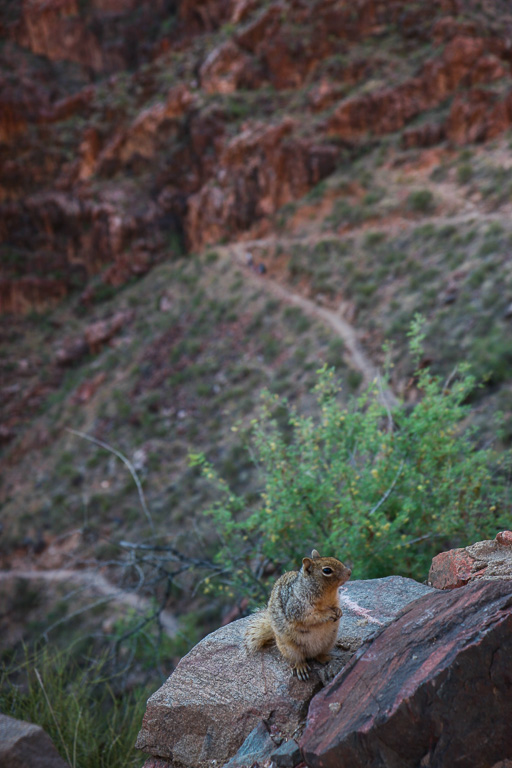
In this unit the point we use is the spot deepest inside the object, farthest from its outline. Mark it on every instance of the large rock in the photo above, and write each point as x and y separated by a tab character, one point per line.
369	605
24	745
98	333
478	115
21	296
219	693
102	36
224	69
261	169
147	133
483	560
54	29
216	696
388	109
432	689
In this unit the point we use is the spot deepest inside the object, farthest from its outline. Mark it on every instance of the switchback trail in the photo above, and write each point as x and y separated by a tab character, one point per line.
333	318
95	583
356	355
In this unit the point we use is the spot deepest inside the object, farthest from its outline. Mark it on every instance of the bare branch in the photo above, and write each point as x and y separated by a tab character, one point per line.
419	538
450	378
127	464
171	551
385	401
78	612
389	490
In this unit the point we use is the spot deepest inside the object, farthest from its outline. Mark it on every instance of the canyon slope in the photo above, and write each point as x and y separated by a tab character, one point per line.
203	198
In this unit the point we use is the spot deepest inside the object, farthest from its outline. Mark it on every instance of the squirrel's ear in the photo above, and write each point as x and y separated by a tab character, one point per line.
306	564
315	554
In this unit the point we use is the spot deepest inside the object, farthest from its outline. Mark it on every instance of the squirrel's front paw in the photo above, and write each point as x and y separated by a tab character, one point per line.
336	614
301	670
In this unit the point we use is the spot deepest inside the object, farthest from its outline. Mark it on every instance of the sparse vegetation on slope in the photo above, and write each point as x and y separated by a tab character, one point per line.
385	489
92	718
199	204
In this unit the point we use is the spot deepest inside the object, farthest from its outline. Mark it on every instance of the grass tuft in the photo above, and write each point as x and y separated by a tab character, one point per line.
91	720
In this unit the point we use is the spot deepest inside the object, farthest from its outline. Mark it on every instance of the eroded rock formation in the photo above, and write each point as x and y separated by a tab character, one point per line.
483	560
129	132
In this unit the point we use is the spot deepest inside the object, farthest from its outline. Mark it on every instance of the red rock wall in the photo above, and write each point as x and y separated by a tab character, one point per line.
105	173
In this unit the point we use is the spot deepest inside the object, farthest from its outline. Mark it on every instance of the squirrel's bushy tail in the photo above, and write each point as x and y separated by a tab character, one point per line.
259	631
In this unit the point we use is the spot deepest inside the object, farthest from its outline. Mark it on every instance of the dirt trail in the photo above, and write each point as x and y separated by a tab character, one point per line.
95	583
357	357
236	253
92	581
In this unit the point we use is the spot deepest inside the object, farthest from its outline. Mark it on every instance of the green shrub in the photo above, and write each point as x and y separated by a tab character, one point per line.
335	351
344	212
373	196
317	192
237	106
420	201
464	173
296	319
383	490
492	357
373	239
271	347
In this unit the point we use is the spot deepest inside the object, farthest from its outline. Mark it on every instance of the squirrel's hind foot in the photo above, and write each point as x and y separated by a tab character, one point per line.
302	670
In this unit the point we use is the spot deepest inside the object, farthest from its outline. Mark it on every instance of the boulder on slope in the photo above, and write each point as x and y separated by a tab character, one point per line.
25	745
219	693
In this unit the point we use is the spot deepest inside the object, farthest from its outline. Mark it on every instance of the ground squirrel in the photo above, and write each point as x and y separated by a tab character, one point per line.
302	614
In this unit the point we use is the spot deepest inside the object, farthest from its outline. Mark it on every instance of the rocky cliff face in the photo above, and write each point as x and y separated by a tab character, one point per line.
131	131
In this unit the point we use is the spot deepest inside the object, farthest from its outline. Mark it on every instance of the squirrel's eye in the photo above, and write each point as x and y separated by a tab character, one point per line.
327	570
